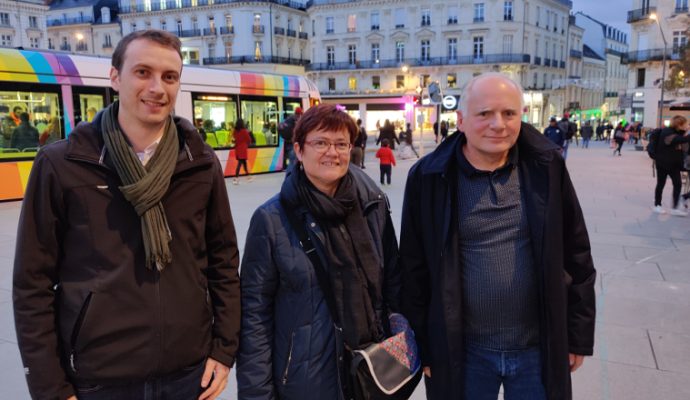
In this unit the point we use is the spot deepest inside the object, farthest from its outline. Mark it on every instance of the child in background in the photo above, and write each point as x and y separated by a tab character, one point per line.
387	160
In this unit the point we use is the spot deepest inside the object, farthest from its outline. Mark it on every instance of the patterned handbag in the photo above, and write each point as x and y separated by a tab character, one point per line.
390	369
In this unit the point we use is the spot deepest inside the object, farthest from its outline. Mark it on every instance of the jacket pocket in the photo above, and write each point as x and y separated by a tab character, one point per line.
78	325
286	371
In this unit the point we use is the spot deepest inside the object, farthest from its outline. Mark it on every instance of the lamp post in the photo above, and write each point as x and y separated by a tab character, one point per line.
663	69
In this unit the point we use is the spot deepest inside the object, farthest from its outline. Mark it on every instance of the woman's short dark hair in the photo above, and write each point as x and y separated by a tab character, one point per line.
239	124
163	38
327	117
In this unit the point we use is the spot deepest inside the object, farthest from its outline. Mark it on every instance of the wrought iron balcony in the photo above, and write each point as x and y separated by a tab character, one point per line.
176	5
575	53
420	62
537	60
186	33
82	47
304	35
278	30
69	21
227	30
253	60
650	55
66	47
292	33
547	62
210	31
258	29
681	10
640	14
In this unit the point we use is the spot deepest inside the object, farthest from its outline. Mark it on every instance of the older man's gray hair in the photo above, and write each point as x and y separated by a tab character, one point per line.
464	98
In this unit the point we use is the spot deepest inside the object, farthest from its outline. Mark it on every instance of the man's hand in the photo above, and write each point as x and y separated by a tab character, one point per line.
427	371
576	361
219	373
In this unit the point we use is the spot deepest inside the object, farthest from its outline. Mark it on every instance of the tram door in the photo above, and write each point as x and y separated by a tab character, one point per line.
88	101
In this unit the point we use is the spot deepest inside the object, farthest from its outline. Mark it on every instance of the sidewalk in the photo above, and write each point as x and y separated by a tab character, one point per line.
643	318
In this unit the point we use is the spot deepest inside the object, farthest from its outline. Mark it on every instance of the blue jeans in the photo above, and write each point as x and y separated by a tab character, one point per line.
519	372
184	384
565	149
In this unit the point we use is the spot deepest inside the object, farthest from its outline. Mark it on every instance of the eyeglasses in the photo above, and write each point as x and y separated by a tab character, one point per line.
323	146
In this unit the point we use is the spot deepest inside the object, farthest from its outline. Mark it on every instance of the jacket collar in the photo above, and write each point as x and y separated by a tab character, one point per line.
531	145
86	143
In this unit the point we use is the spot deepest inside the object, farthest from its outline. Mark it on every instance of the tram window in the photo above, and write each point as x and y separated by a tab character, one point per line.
216	115
289	106
89	105
261	118
41	108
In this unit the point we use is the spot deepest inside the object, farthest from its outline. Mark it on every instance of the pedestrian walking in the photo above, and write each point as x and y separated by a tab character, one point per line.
554	133
497	266
388	132
125	273
242	142
357	157
619	137
587	133
671	148
386	161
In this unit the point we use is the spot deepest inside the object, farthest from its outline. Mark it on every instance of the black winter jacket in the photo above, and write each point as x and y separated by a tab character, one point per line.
432	279
87	309
288	348
669	149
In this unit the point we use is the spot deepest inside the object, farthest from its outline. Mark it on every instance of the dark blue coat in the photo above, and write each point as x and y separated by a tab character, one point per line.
555	134
432	275
288	346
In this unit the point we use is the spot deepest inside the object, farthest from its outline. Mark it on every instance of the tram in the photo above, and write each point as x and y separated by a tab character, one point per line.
59	90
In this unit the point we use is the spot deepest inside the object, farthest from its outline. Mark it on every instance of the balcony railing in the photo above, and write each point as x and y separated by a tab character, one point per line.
562	64
537	60
227	30
452	20
66	47
82	47
575	53
278	30
649	55
478	19
681	10
69	21
186	33
547	62
375	27
292	33
253	60
107	45
259	29
640	14
210	31
303	35
175	5
419	62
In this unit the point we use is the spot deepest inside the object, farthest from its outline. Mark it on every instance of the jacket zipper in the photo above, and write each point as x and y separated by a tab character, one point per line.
289	359
77	328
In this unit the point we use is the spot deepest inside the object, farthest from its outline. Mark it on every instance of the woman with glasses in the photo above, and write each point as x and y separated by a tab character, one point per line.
291	345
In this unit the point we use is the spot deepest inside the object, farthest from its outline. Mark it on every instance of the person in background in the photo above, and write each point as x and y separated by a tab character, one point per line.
386	161
554	133
444	130
51	133
292	346
125	274
569	130
285	130
586	133
388	132
670	152
242	142
600	131
357	157
24	136
496	260
619	137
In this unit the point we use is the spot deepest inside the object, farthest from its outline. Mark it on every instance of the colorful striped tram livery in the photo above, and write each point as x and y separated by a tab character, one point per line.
59	90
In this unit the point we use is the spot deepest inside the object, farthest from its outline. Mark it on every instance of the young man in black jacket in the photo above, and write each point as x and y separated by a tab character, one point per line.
671	148
125	276
495	256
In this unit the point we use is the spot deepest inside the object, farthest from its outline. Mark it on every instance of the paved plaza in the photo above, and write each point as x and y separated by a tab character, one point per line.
642	348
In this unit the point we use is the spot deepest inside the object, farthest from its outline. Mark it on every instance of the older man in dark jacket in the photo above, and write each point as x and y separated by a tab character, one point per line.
496	257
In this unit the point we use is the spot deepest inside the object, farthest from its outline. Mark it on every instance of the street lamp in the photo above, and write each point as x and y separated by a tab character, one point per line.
663	69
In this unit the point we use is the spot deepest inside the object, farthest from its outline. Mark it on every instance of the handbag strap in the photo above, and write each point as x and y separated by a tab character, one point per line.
308	247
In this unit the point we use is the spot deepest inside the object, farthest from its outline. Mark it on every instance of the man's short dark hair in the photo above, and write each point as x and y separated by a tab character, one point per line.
24	117
163	38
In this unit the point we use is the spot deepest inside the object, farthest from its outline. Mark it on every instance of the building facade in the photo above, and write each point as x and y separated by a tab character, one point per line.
611	44
652	42
377	57
87	27
23	23
257	35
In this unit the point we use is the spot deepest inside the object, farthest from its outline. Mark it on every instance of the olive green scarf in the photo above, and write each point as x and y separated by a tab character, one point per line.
144	186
